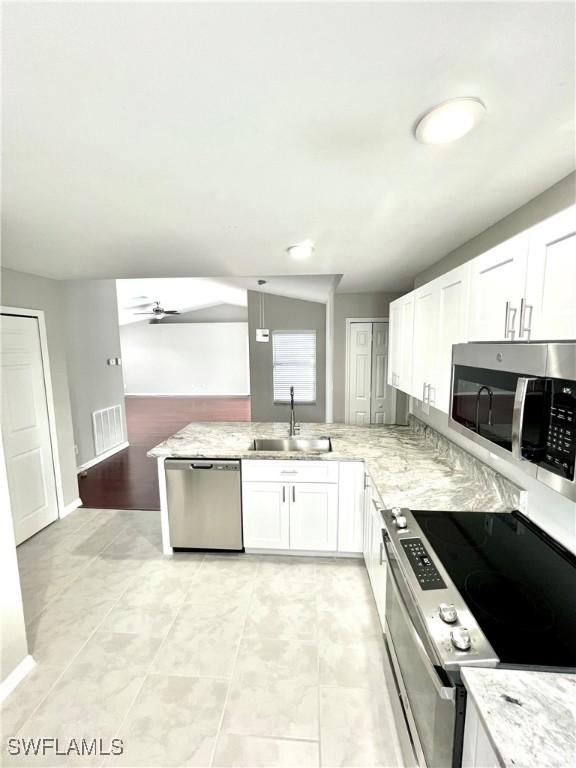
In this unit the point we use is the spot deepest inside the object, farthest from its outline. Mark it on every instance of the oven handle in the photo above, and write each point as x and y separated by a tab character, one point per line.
443	691
518	414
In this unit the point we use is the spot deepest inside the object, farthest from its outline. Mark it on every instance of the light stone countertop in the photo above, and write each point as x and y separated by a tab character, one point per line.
411	466
537	732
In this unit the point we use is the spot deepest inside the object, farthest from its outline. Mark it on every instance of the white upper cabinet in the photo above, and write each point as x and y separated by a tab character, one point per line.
401	339
452	328
426	307
440	320
549	309
497	283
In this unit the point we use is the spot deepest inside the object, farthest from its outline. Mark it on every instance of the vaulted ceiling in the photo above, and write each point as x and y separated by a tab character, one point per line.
201	139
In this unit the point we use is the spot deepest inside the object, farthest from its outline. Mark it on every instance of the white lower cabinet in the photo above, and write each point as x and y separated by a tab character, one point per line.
314	516
477	751
373	550
266	515
351	507
290	505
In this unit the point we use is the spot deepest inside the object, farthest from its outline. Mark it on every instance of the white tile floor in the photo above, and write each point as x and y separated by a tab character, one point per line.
197	660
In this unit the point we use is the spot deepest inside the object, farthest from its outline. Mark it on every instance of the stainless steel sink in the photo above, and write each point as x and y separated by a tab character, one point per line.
311	444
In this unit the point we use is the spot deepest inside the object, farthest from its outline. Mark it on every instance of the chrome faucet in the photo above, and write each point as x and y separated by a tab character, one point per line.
293	427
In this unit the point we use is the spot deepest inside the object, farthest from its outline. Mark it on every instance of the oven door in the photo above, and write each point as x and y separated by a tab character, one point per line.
426	694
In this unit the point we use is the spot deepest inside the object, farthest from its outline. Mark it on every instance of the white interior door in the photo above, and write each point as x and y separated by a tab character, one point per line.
383	397
25	428
360	373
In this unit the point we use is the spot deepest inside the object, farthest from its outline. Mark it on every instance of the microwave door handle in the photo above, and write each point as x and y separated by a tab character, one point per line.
518	414
442	691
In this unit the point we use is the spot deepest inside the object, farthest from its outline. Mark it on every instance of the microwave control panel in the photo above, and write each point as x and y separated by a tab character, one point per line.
422	565
561	434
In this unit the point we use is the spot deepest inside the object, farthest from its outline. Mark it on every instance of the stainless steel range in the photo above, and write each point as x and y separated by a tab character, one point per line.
469	588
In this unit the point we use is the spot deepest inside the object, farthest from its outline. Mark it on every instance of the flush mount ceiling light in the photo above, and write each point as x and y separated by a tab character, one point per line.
450	120
301	251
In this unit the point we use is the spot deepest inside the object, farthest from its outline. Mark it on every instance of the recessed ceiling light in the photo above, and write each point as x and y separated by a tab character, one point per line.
301	251
450	120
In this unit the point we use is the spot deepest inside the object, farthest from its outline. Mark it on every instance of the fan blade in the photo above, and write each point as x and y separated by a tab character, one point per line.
171	312
144	313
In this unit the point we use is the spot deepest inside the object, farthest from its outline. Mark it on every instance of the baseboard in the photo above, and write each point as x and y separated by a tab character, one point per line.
304	553
71	507
16	676
183	394
102	456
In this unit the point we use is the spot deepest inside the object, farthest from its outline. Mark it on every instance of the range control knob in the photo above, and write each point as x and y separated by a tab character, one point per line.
447	613
401	522
396	511
461	639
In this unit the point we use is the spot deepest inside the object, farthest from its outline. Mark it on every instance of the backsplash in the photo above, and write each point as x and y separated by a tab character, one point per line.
549	510
460	460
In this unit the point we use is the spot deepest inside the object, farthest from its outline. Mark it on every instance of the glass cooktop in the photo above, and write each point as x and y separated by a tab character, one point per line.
518	583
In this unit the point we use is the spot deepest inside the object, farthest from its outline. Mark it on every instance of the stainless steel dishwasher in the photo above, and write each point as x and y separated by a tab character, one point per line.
204	504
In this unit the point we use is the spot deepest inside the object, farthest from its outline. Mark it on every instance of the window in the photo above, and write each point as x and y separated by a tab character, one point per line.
294	365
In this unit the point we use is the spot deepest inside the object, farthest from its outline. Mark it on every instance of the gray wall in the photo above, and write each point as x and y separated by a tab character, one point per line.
92	336
352	305
222	313
551	201
19	289
283	314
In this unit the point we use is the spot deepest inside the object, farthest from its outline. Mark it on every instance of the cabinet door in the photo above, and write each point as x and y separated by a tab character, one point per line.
314	516
367	548
550	308
395	343
378	575
497	283
452	328
351	507
406	348
426	303
266	518
401	317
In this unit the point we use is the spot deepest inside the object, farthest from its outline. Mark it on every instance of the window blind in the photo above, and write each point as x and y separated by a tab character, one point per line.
294	365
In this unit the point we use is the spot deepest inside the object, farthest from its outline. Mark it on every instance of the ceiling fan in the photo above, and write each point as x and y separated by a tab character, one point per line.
158	311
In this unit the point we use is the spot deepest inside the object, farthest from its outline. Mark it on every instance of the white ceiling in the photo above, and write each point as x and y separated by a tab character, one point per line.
190	293
168	139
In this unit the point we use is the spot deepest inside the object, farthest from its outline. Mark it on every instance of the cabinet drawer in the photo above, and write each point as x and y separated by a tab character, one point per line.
290	471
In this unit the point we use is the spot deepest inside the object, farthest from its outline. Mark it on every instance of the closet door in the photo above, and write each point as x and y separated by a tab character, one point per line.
360	373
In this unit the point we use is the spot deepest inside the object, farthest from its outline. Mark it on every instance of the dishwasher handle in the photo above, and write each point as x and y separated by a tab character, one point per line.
192	464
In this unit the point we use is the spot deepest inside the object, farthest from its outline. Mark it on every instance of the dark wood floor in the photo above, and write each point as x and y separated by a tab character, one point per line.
128	480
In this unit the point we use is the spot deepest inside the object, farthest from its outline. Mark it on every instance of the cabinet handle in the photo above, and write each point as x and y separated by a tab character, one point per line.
525	328
381	553
294	493
510	321
283	494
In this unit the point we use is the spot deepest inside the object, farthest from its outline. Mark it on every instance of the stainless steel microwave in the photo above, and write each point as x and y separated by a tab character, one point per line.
519	401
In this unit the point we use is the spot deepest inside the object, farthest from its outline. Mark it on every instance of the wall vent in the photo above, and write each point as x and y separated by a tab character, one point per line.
108	428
